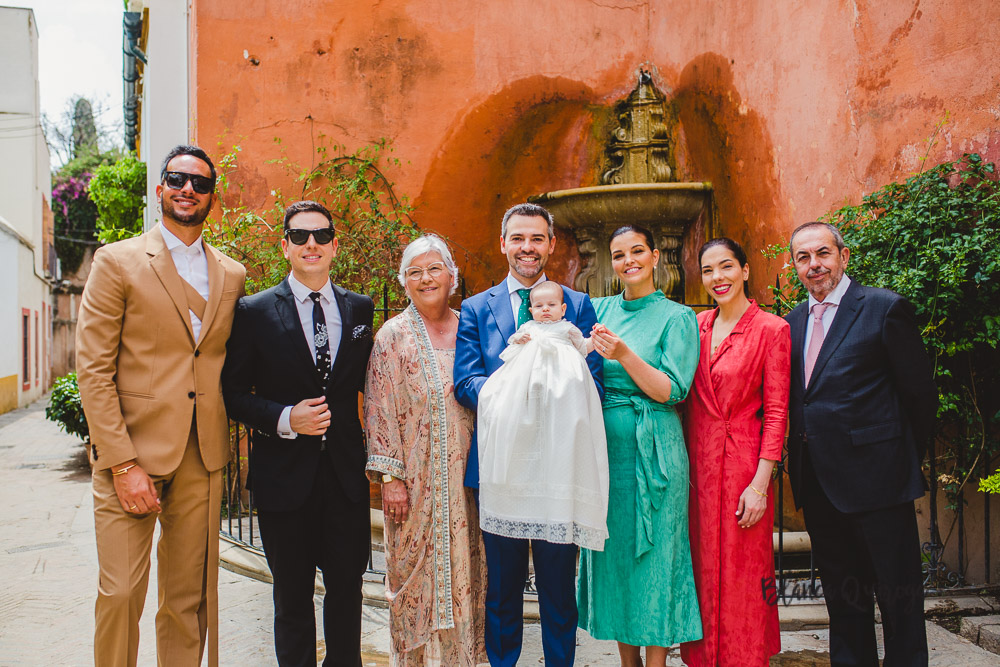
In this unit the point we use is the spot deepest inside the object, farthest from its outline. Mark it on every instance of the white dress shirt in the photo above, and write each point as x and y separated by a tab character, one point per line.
192	265
833	298
515	299
334	329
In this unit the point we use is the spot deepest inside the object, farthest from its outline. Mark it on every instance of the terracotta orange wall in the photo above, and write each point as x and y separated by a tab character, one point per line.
790	109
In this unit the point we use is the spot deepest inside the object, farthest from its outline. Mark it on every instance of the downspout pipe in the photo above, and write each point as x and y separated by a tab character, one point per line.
131	32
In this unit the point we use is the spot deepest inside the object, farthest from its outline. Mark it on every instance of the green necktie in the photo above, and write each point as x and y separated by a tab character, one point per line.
523	314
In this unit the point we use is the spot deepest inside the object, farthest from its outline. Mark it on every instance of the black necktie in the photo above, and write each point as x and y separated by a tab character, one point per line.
321	341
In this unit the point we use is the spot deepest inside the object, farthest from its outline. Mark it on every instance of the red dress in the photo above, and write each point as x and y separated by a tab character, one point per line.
735	415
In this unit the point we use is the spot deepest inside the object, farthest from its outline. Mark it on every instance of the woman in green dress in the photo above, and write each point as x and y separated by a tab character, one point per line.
640	590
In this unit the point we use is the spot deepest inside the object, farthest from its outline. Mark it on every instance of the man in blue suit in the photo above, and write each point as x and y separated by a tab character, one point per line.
527	238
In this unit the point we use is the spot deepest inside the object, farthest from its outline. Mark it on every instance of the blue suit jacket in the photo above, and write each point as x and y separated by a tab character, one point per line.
485	325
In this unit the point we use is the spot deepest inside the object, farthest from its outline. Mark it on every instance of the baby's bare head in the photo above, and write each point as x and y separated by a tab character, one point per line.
547	303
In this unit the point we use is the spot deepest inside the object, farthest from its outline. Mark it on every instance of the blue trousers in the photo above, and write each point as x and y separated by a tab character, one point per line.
555	579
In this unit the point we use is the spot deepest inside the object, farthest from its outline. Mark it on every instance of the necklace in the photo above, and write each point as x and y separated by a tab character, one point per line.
427	324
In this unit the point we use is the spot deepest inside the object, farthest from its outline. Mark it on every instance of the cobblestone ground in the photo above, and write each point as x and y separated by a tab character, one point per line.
48	574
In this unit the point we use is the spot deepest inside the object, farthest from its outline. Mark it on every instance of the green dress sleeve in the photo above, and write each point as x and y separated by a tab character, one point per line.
679	352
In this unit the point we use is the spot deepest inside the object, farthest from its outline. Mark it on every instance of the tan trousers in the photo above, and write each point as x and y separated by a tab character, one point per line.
187	567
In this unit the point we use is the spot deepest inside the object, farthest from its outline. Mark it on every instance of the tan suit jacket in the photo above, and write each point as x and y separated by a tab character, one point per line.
140	370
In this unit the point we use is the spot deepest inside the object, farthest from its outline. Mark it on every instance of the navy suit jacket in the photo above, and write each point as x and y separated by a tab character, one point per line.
486	323
869	410
269	366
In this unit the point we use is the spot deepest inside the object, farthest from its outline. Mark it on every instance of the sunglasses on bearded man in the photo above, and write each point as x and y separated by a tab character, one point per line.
176	180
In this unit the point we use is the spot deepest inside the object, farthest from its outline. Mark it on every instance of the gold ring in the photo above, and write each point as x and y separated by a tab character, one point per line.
133	507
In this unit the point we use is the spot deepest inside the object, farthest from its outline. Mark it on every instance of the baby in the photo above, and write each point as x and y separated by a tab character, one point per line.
547	305
543	459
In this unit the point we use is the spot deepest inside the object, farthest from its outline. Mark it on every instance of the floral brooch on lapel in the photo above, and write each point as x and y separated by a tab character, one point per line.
361	332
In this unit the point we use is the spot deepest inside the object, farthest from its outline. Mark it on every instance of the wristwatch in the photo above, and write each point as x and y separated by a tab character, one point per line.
387	478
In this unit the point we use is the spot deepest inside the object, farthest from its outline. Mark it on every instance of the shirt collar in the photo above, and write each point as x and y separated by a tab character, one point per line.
513	284
301	292
835	296
175	244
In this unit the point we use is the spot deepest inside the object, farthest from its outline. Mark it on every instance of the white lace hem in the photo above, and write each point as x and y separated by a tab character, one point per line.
569	532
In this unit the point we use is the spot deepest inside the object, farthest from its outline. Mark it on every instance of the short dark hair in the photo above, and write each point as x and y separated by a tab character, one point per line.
193	151
733	247
528	211
304	206
637	229
838	238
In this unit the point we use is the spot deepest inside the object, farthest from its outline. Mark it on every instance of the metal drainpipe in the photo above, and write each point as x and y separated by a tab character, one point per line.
132	31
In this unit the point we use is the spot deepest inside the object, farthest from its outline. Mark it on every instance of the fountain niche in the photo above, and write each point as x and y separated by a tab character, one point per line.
637	188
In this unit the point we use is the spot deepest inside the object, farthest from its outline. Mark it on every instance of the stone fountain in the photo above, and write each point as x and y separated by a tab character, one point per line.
637	188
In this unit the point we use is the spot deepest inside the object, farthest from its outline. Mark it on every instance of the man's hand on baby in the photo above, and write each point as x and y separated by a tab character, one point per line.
520	338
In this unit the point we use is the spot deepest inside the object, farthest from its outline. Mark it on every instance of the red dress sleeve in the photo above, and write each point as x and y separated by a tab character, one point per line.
776	384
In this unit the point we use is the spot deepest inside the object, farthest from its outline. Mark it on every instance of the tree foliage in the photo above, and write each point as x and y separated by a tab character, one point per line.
74	219
373	224
935	239
118	192
75	141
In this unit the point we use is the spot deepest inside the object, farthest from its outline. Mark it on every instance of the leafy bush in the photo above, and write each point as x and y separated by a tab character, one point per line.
74	216
119	193
65	407
935	239
373	224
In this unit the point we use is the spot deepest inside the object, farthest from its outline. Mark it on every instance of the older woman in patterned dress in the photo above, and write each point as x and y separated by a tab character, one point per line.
418	440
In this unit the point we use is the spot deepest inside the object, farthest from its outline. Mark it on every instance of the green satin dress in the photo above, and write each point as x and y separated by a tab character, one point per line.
640	590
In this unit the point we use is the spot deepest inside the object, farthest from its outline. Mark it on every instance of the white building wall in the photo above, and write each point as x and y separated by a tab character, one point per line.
164	91
25	190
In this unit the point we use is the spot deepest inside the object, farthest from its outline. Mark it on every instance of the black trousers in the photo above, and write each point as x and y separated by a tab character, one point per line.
862	557
332	533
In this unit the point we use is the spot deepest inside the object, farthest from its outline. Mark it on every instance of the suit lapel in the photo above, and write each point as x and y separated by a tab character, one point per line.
346	327
847	312
163	266
499	303
288	315
216	281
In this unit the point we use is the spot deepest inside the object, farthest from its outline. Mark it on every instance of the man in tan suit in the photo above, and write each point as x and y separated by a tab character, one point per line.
151	340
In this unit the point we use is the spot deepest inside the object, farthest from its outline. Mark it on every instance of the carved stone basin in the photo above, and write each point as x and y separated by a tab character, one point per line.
593	213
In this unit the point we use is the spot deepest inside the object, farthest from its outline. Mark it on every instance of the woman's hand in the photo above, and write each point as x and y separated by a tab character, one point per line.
395	502
751	507
607	344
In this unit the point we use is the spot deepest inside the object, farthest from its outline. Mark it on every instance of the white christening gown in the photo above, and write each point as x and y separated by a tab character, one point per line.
543	456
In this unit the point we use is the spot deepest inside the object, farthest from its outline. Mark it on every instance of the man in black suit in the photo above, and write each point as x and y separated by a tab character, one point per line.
862	411
296	363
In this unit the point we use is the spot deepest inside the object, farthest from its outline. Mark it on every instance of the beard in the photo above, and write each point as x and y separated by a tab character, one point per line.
529	272
191	218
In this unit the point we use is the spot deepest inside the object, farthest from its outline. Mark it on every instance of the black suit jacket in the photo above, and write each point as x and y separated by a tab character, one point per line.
269	366
868	413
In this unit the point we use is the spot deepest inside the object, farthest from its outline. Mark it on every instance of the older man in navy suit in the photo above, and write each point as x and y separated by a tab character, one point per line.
527	238
861	413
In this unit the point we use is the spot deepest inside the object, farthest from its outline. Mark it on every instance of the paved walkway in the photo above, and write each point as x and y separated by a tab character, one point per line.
48	574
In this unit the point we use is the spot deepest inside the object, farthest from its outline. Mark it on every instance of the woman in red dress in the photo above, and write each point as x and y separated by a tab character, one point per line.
735	422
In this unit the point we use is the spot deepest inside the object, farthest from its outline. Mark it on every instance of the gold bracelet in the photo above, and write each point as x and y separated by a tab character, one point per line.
762	495
124	470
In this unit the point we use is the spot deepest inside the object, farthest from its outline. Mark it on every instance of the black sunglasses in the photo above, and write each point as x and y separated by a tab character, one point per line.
323	235
176	180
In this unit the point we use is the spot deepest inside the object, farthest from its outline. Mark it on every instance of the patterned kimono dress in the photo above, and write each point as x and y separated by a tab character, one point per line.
419	433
